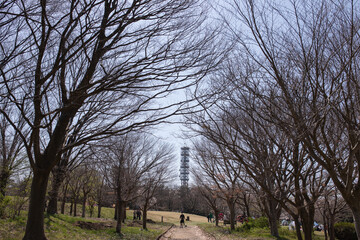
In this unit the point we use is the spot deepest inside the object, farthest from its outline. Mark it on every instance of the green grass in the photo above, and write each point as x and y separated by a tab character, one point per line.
63	227
223	232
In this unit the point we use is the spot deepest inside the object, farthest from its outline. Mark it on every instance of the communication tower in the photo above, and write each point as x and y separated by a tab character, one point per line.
184	166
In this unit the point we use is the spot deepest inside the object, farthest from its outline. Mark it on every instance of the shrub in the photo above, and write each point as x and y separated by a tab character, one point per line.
345	231
261	222
4	202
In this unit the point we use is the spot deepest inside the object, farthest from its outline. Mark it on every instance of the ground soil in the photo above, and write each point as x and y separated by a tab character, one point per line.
94	225
186	233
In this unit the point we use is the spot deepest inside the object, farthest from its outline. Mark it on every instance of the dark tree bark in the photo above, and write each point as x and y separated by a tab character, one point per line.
273	214
116	214
58	178
35	221
298	229
99	210
83	206
120	215
4	179
75	205
71	207
231	205
144	220
64	198
216	212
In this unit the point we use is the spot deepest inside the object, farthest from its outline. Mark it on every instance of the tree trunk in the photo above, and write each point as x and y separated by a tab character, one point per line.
35	222
272	215
4	179
307	227
99	210
75	206
216	212
356	215
58	178
64	200
123	215
325	225
116	210
83	206
307	218
144	216
331	227
120	216
297	228
246	204
71	207
231	206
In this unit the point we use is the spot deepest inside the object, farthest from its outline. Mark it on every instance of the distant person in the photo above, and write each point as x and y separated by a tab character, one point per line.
211	217
182	220
221	216
134	215
208	217
138	214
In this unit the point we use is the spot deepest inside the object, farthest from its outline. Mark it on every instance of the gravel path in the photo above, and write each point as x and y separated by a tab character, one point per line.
186	233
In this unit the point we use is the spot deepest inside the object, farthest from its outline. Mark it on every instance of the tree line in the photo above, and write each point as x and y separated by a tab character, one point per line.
283	114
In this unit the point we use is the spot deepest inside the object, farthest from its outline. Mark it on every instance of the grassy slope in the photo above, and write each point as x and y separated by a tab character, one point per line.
63	227
223	232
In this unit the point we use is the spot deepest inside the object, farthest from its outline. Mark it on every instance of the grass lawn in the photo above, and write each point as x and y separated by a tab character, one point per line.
174	218
223	232
63	227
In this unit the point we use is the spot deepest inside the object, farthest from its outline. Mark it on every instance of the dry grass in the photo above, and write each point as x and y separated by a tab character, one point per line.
174	217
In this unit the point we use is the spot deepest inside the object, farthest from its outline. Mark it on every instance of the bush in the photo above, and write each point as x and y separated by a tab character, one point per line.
261	222
4	202
345	231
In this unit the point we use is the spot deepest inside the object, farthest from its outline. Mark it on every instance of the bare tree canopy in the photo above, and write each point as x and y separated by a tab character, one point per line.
300	61
101	63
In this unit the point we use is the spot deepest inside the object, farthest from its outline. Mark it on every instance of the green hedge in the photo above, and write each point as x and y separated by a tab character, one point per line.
345	231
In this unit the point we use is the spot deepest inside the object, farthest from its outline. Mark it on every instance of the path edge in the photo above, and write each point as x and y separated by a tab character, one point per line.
158	238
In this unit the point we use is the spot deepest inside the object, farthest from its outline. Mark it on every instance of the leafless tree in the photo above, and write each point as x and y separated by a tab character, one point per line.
88	181
310	51
210	193
128	160
12	156
74	190
284	170
70	160
330	206
220	169
157	176
111	58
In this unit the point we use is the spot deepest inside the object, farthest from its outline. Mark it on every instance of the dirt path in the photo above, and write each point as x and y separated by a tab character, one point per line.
187	233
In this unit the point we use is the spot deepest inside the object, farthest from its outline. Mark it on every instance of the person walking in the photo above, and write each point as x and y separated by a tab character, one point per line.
211	217
182	220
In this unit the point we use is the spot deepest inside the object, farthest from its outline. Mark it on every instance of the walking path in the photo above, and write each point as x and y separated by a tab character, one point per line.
186	233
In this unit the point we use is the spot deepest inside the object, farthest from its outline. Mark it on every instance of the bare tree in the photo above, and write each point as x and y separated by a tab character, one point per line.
88	182
210	193
128	159
113	59
310	51
12	156
70	160
222	171
330	206
156	177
